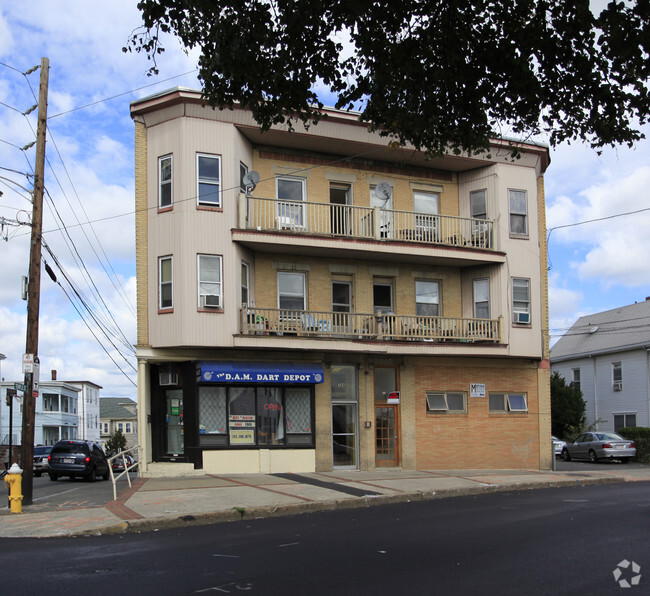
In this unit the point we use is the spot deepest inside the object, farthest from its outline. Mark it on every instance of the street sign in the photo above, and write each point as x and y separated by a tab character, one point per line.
28	363
20	387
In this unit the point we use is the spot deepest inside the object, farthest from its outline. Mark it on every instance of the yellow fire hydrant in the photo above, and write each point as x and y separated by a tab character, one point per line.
14	480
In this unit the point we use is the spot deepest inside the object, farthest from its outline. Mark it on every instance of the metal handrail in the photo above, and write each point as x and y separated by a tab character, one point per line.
135	450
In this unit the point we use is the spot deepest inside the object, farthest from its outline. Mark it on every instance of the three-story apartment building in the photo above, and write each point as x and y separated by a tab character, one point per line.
321	299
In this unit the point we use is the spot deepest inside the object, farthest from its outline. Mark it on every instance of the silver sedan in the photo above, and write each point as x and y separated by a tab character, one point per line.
599	445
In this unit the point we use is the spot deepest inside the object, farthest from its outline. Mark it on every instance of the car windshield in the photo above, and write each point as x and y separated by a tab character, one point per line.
609	437
42	450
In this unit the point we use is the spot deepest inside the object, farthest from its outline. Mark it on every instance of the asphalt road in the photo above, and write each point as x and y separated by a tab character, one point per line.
552	541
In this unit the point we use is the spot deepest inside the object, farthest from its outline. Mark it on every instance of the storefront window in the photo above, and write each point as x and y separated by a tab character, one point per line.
343	382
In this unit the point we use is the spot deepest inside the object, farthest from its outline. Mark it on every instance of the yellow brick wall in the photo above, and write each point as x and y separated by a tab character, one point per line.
141	231
478	439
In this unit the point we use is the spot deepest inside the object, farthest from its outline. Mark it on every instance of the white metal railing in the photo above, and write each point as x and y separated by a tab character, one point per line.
380	326
134	453
365	222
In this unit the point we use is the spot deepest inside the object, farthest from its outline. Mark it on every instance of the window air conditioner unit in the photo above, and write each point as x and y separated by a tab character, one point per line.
522	317
167	379
618	386
210	301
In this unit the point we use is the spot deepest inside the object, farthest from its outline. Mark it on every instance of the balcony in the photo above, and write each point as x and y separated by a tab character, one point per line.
364	326
365	226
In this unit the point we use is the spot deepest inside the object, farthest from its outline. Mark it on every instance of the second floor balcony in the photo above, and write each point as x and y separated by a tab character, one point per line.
366	326
365	223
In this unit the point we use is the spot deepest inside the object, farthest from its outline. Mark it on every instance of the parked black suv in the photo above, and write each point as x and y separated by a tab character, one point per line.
77	458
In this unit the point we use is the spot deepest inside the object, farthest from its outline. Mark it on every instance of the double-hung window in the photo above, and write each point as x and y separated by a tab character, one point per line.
425	205
165	197
165	283
245	283
209	274
617	376
427	298
446	402
291	291
521	300
575	380
481	298
291	195
208	169
518	212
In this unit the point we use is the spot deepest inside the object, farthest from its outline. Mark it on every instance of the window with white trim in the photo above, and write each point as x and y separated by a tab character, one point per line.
617	376
521	300
209	277
128	427
120	426
508	402
165	197
427	298
425	205
208	168
452	402
245	281
481	298
518	202
291	291
165	283
624	421
575	378
291	194
478	204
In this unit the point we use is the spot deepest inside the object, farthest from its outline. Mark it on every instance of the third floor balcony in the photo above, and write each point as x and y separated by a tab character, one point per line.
370	232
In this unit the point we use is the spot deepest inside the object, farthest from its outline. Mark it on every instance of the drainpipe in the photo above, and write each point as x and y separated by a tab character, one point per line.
595	381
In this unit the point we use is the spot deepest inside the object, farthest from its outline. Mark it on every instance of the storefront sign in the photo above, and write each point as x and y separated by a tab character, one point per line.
260	372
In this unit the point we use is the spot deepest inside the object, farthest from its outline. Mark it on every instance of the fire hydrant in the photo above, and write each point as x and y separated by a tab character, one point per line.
14	481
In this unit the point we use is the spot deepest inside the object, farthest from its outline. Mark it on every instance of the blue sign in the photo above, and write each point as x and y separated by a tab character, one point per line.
260	372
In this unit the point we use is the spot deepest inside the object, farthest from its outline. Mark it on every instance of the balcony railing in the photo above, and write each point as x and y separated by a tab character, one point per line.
346	325
371	223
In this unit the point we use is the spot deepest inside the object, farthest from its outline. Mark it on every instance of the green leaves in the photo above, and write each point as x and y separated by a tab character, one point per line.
443	75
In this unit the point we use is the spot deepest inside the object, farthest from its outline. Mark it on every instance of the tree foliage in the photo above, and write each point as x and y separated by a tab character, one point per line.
116	442
567	408
440	74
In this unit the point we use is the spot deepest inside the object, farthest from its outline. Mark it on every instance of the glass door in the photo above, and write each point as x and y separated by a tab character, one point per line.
344	435
174	427
387	437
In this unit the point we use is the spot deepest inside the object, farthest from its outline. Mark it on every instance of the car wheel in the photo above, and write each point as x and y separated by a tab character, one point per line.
92	476
592	457
565	455
53	476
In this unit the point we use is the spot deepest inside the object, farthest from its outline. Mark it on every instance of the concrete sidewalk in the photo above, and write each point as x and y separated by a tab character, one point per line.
157	503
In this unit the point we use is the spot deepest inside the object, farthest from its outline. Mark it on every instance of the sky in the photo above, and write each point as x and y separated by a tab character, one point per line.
88	222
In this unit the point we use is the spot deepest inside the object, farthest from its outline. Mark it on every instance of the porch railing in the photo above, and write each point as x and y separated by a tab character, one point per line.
371	223
347	325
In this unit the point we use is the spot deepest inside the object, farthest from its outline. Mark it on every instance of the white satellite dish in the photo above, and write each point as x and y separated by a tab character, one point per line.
383	191
250	180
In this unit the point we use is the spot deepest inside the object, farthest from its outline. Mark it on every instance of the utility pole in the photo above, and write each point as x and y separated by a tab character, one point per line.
34	293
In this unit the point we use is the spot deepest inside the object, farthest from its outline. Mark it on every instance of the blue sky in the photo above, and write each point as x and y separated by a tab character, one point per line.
90	178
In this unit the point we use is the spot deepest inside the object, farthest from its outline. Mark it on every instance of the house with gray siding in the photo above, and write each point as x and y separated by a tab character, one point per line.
607	355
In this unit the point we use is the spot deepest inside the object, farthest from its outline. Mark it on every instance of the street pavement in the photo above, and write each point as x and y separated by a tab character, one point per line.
156	503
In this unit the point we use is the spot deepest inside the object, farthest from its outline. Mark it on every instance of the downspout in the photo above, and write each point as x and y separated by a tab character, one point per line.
595	382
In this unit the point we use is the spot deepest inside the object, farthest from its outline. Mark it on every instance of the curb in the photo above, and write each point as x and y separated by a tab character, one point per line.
263	512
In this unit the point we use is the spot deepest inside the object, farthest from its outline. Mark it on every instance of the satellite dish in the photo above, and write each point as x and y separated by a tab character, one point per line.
250	180
383	191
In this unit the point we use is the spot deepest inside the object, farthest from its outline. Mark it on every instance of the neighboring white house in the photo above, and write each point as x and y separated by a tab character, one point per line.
607	356
88	409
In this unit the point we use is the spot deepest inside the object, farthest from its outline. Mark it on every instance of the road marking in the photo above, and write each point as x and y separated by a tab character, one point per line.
56	494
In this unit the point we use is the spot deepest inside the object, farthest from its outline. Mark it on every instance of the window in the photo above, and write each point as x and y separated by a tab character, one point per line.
243	416
481	298
575	378
165	283
382	296
521	300
291	291
425	205
245	281
209	281
518	212
165	182
508	402
128	427
427	298
120	426
243	170
343	382
451	402
624	421
208	180
478	204
617	376
50	402
290	213
341	296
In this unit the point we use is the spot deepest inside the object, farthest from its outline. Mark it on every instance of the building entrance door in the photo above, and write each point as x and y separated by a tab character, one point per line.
387	435
344	436
174	426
